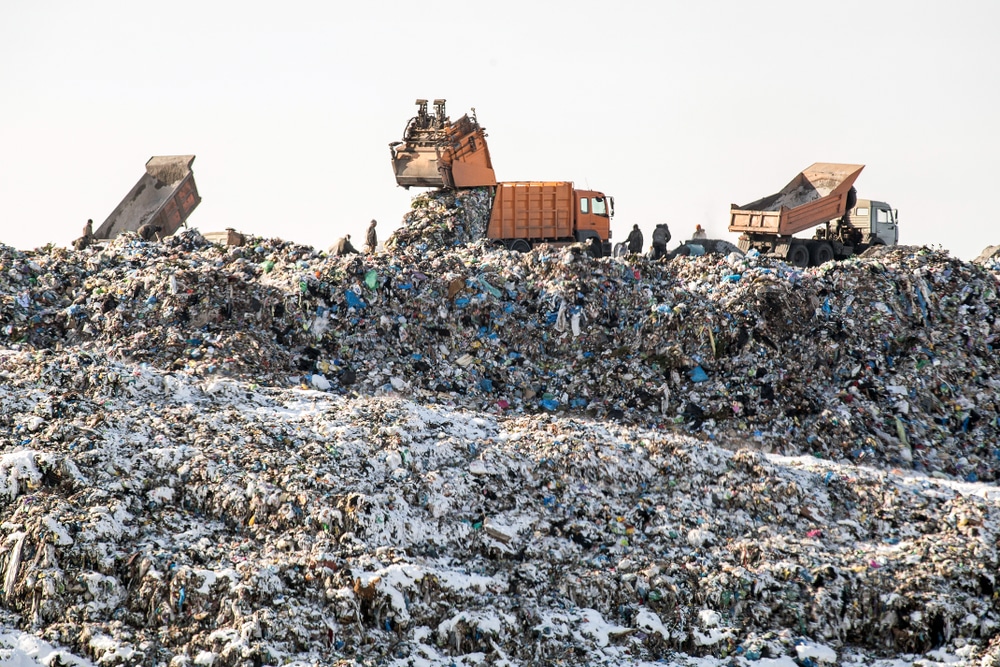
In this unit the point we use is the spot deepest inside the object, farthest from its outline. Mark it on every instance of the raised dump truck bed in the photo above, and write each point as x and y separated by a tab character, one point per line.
437	153
816	195
165	196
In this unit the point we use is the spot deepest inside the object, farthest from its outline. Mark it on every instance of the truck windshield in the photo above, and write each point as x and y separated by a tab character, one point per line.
600	206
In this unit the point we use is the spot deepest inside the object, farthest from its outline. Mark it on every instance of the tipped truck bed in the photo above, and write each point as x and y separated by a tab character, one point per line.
436	153
816	195
165	195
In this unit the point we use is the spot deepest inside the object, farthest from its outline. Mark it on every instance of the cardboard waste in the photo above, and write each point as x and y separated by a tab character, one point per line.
448	453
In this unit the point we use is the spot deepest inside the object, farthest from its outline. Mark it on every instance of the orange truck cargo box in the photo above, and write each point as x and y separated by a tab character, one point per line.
549	212
532	210
816	195
437	153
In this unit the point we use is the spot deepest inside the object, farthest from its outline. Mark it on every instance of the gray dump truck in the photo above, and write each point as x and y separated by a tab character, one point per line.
821	197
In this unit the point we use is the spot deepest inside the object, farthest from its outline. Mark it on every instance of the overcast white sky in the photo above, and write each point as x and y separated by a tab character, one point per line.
676	109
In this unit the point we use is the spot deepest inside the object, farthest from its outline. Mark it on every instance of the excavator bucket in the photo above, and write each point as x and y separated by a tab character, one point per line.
436	153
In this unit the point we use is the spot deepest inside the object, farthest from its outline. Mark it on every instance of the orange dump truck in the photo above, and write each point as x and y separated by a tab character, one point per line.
822	194
437	153
528	212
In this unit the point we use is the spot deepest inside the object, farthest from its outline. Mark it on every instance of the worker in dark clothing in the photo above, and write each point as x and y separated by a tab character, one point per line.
371	238
699	233
343	246
596	247
149	232
661	237
634	241
88	235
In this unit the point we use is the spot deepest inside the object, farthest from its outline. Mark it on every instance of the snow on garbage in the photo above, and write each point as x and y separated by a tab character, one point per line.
448	453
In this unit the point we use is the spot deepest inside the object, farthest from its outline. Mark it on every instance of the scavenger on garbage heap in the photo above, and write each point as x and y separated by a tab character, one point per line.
371	238
149	232
88	236
343	246
699	233
634	241
661	236
595	247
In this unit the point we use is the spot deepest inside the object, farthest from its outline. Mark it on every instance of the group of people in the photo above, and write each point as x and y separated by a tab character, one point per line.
343	246
661	237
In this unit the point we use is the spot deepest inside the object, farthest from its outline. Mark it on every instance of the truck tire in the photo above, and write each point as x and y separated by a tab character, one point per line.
519	245
798	255
820	254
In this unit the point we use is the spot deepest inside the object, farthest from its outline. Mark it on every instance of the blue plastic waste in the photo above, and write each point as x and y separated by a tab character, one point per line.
697	374
353	300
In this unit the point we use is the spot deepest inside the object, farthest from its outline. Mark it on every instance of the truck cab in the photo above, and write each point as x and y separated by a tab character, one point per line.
593	217
876	220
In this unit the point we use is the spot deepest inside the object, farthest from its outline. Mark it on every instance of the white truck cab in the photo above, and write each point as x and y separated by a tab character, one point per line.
877	221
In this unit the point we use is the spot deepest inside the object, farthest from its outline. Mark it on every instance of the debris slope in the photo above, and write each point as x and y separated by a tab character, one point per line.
455	454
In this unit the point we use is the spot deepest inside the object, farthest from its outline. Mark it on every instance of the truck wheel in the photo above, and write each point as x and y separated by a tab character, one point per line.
520	245
798	255
821	253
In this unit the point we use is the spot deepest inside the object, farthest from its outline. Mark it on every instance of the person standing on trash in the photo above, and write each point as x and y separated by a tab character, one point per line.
661	237
343	246
371	238
596	249
149	232
699	233
88	235
634	240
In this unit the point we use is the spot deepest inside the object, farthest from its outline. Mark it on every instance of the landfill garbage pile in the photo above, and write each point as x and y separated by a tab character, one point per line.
702	246
443	219
456	454
152	517
886	359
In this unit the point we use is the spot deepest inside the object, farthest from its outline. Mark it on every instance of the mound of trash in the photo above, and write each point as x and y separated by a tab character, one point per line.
887	359
152	517
448	453
443	219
